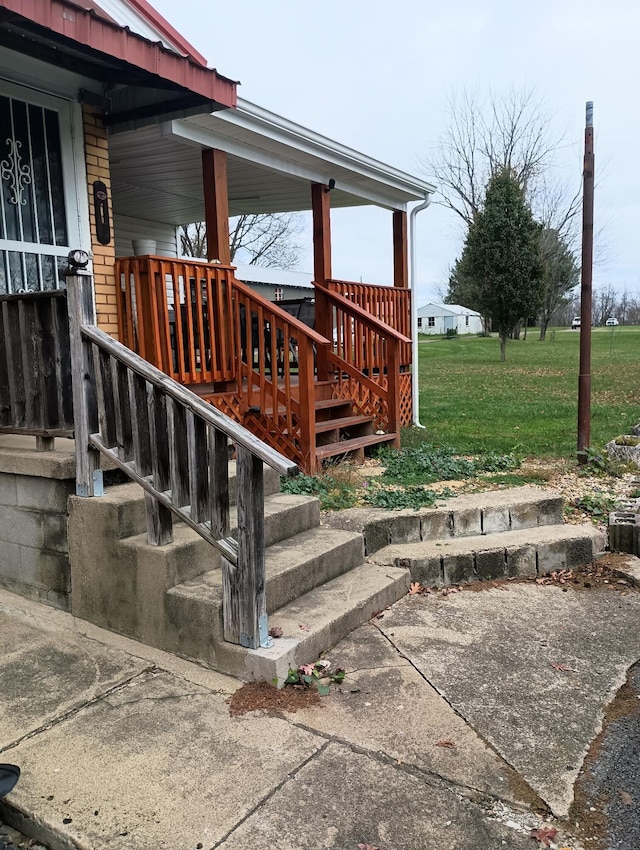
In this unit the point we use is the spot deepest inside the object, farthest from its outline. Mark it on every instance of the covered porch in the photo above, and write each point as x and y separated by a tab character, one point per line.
328	386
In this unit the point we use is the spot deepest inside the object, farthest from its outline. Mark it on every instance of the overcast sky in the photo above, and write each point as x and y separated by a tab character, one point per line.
376	75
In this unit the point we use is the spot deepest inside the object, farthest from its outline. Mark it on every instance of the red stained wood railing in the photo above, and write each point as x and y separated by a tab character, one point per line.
178	316
365	360
199	324
386	303
276	373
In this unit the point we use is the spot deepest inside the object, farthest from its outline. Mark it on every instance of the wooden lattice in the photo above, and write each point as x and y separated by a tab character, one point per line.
406	404
366	402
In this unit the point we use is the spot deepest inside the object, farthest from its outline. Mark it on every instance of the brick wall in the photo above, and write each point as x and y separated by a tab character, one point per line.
96	144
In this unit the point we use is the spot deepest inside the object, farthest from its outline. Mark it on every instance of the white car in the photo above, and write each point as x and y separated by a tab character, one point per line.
575	324
612	322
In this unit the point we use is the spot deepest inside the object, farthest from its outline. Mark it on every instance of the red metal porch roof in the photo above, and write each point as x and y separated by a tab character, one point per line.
93	29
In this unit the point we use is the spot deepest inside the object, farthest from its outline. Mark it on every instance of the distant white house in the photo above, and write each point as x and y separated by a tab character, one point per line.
439	318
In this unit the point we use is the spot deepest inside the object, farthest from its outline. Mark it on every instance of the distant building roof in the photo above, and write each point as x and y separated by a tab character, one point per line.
448	309
275	277
461	311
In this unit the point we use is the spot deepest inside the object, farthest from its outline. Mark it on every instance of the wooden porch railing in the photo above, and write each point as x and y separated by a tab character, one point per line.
203	327
391	305
176	447
179	316
35	366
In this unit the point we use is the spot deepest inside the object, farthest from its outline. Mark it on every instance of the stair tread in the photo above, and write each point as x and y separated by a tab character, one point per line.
342	422
534	536
286	555
321	605
324	403
344	446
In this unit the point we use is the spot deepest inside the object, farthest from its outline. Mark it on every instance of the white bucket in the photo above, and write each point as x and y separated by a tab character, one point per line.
142	247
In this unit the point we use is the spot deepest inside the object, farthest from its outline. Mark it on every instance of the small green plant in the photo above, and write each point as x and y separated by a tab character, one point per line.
425	463
597	504
334	494
591	460
318	675
415	497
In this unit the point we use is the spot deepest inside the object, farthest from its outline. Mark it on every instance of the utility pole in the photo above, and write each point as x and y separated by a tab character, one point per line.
584	379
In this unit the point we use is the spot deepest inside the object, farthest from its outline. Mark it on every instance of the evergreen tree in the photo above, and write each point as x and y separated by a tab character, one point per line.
501	256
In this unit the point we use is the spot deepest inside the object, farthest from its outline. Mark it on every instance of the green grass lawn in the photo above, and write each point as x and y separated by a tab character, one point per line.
471	401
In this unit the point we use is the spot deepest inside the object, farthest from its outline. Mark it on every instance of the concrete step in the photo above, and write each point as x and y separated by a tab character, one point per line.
297	570
462	516
526	552
294	567
328	613
125	502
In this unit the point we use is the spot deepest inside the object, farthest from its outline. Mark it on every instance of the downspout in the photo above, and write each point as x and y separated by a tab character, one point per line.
413	285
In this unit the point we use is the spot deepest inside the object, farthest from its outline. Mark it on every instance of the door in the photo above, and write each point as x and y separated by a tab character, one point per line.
39	216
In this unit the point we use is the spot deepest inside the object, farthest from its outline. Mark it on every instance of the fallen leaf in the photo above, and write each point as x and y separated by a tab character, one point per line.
449	745
367	847
415	587
304	627
275	632
562	668
306	669
627	799
545	835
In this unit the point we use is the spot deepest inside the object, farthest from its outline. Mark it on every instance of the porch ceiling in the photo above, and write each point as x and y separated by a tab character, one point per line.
271	163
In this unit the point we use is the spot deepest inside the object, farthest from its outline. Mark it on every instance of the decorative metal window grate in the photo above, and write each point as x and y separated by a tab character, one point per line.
33	220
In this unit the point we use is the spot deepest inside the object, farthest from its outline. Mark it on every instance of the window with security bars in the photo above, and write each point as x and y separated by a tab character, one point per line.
33	221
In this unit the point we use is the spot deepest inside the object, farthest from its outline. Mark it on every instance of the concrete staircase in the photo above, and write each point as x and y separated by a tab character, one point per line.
322	580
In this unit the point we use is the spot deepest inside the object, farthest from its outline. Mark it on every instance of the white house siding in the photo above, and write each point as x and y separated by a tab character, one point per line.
437	319
127	229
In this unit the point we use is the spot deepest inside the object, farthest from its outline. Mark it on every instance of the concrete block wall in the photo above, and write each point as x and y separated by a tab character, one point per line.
34	549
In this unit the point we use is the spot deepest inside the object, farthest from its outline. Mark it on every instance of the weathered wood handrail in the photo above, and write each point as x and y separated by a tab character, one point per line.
35	366
176	447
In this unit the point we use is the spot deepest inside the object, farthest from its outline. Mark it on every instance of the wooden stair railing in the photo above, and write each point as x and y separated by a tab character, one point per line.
175	446
390	304
35	367
276	372
364	359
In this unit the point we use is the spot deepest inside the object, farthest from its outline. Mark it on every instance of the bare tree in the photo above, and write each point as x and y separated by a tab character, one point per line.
604	304
484	136
193	239
265	239
561	275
